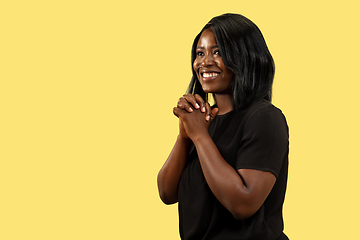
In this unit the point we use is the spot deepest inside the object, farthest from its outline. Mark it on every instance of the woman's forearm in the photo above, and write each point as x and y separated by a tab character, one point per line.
169	175
222	179
241	198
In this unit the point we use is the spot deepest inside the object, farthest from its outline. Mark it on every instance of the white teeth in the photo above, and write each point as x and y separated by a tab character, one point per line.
212	74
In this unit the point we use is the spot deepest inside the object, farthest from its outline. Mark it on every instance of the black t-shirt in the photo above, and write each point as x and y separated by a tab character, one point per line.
251	138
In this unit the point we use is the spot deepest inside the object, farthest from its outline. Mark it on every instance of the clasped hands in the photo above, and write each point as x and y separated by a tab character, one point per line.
194	116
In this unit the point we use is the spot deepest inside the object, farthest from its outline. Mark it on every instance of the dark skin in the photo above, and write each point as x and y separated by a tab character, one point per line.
241	191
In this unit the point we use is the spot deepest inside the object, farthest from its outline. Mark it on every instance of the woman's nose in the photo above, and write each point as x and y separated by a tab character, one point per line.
207	60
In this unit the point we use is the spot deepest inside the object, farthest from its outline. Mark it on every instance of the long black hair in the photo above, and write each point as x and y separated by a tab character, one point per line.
244	51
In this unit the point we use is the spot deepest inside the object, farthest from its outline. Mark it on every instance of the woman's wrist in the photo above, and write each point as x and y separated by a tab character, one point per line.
183	138
200	137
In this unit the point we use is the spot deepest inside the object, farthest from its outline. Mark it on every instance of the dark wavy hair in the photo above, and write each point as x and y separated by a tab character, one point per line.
244	51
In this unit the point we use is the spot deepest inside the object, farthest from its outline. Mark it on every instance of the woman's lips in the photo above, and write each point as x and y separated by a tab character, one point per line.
208	76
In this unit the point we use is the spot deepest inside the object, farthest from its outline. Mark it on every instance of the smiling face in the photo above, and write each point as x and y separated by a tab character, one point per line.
210	69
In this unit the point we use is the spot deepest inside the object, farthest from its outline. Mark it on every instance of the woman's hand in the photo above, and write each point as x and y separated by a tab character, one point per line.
190	102
194	123
182	133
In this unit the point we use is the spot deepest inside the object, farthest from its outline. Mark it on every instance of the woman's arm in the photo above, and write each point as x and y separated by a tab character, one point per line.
169	175
242	192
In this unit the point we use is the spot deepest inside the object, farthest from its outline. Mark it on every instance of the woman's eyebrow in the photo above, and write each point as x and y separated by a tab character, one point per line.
215	46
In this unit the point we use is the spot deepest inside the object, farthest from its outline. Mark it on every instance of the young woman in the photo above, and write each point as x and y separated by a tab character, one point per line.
228	167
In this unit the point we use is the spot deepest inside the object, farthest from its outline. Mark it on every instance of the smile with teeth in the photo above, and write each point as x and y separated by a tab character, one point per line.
210	74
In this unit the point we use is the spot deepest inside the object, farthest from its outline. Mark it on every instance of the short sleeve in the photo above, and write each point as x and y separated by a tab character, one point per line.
264	144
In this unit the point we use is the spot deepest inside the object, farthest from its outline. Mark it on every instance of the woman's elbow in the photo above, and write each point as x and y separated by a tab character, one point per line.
242	213
166	194
167	199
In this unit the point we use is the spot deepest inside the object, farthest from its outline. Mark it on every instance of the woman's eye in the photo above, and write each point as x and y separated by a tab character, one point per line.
199	54
217	52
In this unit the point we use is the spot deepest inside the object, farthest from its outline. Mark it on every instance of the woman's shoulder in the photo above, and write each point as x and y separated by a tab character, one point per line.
262	111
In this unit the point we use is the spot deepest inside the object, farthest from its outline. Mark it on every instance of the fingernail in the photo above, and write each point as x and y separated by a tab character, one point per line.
203	109
190	109
207	118
197	105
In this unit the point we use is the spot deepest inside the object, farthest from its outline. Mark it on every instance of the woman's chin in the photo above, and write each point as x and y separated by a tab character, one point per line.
207	90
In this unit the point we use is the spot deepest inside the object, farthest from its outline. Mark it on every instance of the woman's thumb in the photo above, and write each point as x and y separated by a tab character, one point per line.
213	113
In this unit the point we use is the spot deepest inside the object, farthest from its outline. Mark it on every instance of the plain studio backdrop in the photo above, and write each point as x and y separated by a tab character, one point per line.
87	91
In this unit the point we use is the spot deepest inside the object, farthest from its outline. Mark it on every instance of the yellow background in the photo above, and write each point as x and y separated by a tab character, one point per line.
87	90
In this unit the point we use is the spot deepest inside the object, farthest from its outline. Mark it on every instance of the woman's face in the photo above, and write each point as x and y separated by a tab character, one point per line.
213	75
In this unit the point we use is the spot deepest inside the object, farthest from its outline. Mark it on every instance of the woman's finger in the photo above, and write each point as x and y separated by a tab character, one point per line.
175	112
178	112
192	100
183	104
213	113
208	112
201	102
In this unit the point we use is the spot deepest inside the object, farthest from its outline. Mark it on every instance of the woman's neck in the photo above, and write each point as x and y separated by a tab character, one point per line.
224	102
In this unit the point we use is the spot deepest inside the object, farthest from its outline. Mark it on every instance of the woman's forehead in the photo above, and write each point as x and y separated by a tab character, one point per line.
206	39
